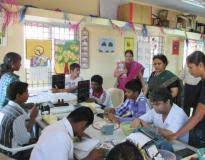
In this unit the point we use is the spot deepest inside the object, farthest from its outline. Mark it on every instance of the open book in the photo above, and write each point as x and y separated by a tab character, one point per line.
84	147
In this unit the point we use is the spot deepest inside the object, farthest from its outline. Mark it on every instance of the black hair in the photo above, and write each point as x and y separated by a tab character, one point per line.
129	51
125	151
196	58
161	94
74	66
97	79
9	59
134	85
162	57
82	114
15	88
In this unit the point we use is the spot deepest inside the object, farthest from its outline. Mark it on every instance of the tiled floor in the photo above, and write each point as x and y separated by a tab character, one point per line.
3	157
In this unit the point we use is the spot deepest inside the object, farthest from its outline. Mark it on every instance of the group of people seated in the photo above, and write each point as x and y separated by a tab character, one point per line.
157	103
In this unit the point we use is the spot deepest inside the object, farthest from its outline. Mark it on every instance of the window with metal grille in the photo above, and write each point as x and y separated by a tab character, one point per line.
45	31
147	47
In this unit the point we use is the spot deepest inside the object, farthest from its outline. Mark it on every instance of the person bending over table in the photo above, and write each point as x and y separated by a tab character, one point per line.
166	116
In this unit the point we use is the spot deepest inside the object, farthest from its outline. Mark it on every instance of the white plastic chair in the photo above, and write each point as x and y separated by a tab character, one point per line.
17	149
117	96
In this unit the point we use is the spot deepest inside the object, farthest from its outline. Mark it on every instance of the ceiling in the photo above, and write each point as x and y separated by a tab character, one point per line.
177	5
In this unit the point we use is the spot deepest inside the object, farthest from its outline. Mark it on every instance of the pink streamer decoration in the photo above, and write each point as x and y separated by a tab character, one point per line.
75	27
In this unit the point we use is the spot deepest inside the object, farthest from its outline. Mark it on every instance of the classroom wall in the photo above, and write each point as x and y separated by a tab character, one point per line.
99	63
15	43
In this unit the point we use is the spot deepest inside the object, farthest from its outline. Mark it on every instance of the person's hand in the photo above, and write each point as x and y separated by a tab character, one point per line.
112	118
109	110
171	137
136	123
55	90
34	112
96	154
90	100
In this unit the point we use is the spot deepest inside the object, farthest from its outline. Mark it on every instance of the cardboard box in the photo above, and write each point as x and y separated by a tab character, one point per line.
136	13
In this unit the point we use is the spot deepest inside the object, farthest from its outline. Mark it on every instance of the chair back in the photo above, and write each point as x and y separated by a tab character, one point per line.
117	96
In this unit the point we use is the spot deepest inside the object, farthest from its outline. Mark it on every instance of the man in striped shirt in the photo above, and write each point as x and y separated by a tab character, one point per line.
134	106
14	129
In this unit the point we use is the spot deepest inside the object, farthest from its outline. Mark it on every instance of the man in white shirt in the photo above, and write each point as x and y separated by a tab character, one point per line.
71	80
165	116
56	141
98	94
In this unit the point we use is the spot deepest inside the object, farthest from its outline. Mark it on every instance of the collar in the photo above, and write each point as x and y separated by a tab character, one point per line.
171	113
68	127
12	103
98	94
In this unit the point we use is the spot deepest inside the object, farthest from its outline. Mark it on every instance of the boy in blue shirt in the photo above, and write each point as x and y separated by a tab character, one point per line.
134	106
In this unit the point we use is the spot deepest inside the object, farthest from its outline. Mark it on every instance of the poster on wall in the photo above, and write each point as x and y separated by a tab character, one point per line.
175	47
39	52
106	45
66	53
129	43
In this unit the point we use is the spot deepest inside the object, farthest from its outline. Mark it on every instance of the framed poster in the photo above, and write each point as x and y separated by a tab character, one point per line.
66	53
129	43
39	52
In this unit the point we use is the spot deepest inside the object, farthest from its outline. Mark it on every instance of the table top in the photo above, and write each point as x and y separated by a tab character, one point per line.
117	137
46	96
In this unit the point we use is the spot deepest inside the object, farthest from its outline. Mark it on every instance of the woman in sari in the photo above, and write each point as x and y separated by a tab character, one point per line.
162	78
132	70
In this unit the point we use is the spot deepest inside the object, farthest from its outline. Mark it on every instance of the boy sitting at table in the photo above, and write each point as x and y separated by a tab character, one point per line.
71	80
98	94
166	116
134	106
14	129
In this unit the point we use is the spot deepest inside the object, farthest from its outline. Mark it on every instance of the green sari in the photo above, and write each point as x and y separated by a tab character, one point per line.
167	80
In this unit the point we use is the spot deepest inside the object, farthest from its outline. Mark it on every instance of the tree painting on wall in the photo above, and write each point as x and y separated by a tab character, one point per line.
66	53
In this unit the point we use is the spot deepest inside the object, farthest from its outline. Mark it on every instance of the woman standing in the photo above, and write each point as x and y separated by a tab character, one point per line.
132	70
196	65
11	63
162	78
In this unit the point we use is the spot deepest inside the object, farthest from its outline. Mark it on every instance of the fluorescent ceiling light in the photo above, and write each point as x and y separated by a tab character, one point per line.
194	3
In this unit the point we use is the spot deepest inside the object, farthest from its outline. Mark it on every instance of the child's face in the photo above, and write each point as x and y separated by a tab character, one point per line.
75	72
160	106
131	94
23	97
95	86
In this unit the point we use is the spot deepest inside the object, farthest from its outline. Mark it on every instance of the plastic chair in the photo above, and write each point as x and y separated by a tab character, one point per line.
117	96
15	150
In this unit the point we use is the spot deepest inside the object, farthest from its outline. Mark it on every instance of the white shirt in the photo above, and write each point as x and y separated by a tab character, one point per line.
71	83
105	98
55	143
173	122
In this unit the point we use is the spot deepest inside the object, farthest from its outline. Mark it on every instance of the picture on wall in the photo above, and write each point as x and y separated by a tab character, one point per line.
106	45
66	53
129	43
39	52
